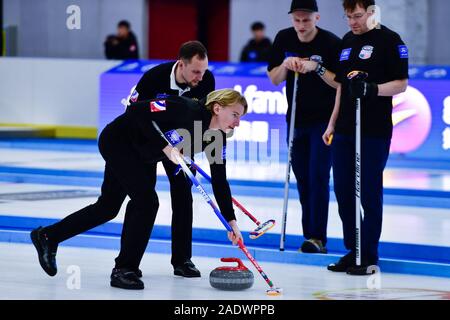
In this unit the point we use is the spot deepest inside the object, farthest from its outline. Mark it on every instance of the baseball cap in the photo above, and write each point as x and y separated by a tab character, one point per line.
304	5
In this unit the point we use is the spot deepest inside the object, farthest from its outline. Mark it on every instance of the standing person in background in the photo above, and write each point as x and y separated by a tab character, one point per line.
258	48
381	53
295	50
122	46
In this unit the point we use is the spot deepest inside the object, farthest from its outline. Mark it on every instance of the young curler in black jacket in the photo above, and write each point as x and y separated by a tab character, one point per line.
175	113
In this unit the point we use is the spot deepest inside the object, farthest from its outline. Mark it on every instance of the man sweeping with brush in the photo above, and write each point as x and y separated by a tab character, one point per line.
128	144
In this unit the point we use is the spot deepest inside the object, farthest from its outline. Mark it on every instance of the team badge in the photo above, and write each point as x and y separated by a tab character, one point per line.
158	106
366	52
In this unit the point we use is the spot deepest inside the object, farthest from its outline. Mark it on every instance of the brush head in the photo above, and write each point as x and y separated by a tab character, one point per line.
274	292
262	229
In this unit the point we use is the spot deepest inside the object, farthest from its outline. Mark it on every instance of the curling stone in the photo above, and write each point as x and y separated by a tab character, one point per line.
231	278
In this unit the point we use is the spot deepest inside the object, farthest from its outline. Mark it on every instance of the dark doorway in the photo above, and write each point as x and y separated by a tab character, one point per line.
172	22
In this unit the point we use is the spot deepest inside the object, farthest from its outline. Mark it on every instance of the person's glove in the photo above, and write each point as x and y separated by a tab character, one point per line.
363	90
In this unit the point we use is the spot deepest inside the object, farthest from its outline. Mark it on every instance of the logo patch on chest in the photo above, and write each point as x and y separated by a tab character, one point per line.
345	54
366	52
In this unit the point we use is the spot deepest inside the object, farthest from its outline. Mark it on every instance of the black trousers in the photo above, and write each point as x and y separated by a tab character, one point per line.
374	155
125	174
181	196
311	163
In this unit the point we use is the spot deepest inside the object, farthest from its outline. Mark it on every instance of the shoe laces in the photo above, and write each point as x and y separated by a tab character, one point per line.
51	245
189	263
317	242
126	272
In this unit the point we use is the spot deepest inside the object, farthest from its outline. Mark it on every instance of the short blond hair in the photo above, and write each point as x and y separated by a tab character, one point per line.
225	97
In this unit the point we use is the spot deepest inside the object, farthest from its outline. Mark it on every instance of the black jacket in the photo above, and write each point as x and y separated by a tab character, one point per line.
256	51
123	50
156	82
175	113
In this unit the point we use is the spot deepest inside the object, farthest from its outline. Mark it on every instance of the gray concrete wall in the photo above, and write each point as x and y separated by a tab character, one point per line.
438	49
42	30
44	91
409	19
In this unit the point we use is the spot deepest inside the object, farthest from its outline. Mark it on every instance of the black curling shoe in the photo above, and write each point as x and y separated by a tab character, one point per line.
363	270
187	270
138	273
344	263
313	246
46	251
126	279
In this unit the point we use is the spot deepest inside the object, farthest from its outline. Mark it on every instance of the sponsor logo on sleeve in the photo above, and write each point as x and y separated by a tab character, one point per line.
134	96
173	137
403	51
